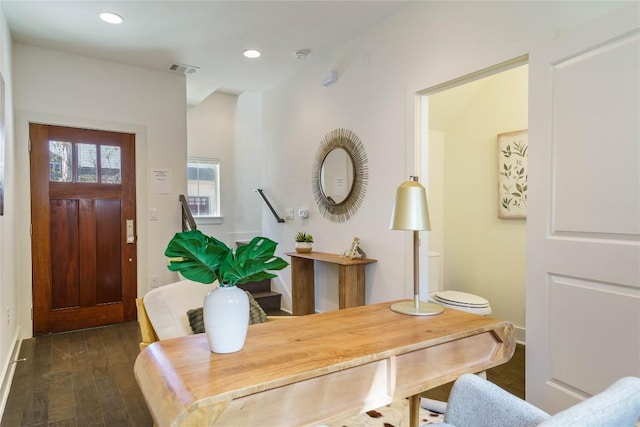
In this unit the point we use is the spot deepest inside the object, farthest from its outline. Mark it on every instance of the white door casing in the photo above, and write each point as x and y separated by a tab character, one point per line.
583	220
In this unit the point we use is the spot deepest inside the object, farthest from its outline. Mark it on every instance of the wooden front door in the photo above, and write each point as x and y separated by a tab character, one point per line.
83	241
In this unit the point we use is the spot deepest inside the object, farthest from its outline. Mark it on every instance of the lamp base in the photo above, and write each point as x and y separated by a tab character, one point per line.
424	309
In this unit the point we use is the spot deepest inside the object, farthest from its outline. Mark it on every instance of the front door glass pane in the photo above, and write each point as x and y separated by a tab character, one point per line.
110	169
87	162
60	161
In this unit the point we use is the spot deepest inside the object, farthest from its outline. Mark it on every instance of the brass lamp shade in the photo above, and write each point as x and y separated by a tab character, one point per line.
410	211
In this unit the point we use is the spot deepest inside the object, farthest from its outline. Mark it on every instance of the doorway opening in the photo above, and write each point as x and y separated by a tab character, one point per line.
471	249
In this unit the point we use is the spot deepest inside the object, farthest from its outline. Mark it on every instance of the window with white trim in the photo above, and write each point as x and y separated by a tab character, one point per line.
203	191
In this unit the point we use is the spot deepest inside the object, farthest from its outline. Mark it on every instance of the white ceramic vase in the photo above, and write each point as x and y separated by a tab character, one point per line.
226	318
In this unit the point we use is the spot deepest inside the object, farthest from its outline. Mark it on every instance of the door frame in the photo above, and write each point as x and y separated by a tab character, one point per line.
23	204
417	160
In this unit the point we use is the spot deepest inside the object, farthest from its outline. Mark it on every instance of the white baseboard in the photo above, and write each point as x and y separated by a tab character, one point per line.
521	335
8	370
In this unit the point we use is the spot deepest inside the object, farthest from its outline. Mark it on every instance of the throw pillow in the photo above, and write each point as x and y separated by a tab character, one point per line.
256	315
196	320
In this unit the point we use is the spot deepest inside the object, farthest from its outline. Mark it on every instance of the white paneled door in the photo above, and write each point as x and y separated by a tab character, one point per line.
583	225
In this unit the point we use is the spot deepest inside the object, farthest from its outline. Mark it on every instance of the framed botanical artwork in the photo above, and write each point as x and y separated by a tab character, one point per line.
512	174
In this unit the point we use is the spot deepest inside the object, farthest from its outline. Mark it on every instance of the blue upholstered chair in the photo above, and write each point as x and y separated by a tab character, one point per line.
475	402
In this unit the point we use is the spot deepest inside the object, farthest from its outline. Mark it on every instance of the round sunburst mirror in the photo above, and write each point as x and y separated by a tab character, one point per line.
339	175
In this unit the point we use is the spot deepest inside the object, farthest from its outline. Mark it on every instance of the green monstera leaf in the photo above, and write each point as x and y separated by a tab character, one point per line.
252	262
205	259
196	256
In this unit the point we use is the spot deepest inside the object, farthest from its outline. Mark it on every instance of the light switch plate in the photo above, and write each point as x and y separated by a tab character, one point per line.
289	214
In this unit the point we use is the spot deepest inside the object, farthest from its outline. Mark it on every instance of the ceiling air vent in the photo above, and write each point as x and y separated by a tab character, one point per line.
184	69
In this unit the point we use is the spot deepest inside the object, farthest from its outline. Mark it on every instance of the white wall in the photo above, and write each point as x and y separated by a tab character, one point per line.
59	88
227	127
247	168
9	327
481	253
379	73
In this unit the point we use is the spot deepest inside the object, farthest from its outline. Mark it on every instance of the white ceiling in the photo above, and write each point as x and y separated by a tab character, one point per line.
207	34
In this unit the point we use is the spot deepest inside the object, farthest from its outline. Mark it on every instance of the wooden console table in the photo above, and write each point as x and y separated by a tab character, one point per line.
317	368
351	281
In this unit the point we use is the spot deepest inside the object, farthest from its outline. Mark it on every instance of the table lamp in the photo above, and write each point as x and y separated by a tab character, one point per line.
411	212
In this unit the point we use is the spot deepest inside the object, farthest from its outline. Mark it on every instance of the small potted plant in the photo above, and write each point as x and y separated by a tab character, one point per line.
304	242
205	259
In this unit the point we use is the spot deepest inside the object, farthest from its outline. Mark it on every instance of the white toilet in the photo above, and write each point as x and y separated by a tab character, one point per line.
453	299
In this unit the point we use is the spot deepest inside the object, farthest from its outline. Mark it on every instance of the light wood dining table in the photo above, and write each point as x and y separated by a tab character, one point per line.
318	368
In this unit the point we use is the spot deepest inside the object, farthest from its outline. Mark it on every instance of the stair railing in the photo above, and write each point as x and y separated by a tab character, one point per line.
188	223
264	198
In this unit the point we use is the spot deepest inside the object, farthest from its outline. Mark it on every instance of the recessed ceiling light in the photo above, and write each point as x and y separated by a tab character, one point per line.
111	18
251	53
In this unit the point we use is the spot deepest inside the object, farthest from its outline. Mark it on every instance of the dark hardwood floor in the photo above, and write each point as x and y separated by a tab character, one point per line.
82	378
85	378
